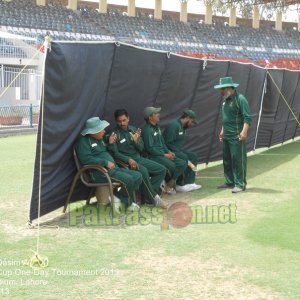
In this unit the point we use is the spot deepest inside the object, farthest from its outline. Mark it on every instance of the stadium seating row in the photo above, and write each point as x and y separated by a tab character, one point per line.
242	43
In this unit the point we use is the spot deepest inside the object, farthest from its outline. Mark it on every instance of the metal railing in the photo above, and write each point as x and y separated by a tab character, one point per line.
19	116
29	81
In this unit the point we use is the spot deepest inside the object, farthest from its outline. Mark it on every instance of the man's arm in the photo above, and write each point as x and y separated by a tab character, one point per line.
113	148
170	135
221	134
148	139
245	112
244	132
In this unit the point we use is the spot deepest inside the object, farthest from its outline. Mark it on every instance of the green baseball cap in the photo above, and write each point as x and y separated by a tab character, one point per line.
148	111
190	113
94	125
226	82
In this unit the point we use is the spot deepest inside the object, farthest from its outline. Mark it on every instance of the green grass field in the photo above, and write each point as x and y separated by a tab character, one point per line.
256	257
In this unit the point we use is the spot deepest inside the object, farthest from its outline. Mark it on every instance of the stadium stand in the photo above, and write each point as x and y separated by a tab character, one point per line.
264	46
7	49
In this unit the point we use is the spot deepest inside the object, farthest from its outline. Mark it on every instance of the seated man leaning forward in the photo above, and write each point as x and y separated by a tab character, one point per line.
157	150
128	148
92	149
174	136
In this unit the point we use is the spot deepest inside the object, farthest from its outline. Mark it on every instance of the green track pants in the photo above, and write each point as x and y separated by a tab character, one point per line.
189	175
130	182
235	162
175	167
153	174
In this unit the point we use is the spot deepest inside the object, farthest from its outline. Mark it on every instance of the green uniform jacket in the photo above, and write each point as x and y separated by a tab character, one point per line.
174	136
235	112
126	148
153	140
92	151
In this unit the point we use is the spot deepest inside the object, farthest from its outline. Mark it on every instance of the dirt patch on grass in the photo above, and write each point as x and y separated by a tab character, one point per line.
154	275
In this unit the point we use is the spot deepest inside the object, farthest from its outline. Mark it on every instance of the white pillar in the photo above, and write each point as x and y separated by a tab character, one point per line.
183	11
232	16
157	10
72	4
255	20
298	22
278	24
103	6
208	13
41	2
131	8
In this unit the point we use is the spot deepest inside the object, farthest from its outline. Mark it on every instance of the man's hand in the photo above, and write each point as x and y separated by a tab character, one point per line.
133	164
112	138
173	154
221	135
244	132
136	136
192	166
110	165
242	136
169	155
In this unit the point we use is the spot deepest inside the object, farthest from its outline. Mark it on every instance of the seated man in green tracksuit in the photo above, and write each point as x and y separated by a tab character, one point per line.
128	149
91	149
174	136
157	150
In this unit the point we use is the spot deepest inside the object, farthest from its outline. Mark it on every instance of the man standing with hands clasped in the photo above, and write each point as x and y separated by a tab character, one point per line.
236	122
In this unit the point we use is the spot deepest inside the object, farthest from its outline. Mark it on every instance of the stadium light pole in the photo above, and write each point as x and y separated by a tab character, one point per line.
103	6
183	10
158	10
278	23
298	11
232	15
41	2
208	12
255	20
131	8
72	4
279	7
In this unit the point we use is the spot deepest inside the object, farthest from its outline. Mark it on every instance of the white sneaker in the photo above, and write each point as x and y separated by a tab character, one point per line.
188	187
182	188
160	202
116	204
133	207
194	186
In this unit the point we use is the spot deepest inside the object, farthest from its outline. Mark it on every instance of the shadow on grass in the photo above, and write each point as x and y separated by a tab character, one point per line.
85	217
258	164
263	190
263	161
211	177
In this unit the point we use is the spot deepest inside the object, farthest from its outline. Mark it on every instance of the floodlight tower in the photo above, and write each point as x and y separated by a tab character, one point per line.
183	10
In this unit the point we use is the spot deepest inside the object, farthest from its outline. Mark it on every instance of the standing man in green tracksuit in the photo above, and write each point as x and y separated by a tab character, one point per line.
236	122
174	136
128	148
158	151
92	149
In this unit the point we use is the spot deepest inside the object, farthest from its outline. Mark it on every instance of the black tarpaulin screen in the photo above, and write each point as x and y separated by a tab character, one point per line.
83	80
